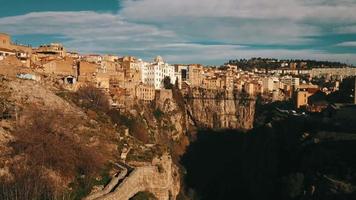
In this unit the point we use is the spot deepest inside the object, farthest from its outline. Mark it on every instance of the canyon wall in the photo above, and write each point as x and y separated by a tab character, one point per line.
220	109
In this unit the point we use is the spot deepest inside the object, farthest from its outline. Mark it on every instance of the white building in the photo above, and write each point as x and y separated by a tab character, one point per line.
291	81
267	84
144	69
93	58
153	74
270	84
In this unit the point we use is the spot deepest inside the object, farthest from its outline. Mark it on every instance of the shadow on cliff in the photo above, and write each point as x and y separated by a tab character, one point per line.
270	162
231	165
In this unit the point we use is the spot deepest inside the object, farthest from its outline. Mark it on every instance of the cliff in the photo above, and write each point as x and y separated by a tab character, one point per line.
160	178
136	135
220	109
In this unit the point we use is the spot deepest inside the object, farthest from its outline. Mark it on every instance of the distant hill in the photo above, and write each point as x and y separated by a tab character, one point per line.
272	63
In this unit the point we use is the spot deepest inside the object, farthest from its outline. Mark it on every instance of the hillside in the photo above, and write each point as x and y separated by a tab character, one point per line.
69	143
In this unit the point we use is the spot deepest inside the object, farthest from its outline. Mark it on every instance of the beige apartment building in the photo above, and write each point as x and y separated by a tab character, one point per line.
145	92
211	83
87	71
195	75
131	68
303	95
66	66
6	43
51	50
7	48
102	81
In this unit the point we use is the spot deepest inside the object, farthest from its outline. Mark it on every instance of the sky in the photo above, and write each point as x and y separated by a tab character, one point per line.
189	31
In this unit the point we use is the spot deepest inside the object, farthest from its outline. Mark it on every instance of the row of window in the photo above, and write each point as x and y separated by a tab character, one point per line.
152	79
4	54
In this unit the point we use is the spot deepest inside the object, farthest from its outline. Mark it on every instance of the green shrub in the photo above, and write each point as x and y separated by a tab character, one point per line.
158	113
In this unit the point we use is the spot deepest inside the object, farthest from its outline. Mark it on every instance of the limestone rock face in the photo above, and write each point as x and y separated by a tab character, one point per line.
175	121
219	109
160	178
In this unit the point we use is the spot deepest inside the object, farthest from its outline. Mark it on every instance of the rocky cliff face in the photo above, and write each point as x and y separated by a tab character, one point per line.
136	134
219	109
160	178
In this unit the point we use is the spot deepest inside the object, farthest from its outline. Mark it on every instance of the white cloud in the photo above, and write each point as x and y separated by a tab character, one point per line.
347	44
252	9
184	30
346	29
87	31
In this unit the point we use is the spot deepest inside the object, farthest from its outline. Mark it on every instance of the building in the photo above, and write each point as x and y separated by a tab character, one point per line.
293	82
302	96
227	82
132	68
102	81
267	84
65	67
73	55
129	64
10	64
52	49
109	67
93	58
7	48
5	41
293	65
110	58
183	70
195	75
340	72
178	73
155	73
211	83
87	71
6	52
145	92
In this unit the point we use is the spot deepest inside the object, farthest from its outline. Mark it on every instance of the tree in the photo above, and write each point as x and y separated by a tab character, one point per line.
46	138
93	98
167	83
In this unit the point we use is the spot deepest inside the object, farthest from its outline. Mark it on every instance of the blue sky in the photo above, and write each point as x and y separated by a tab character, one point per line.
189	31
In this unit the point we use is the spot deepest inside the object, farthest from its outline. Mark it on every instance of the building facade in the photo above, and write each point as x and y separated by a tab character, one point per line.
155	73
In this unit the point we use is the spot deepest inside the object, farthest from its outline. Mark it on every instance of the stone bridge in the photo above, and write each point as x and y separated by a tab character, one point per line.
159	178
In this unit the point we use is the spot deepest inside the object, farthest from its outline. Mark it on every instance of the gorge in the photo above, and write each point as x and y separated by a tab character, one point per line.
290	158
138	134
221	145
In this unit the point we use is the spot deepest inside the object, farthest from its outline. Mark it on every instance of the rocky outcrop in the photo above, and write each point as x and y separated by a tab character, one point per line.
109	187
159	178
220	109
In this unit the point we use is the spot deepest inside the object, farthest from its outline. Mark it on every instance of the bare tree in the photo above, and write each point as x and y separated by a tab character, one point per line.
92	98
46	141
